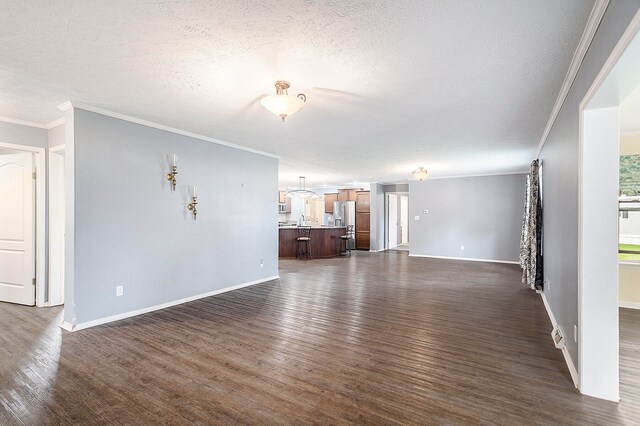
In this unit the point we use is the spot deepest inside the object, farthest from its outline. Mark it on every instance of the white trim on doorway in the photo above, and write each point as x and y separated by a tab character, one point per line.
55	171
40	162
597	310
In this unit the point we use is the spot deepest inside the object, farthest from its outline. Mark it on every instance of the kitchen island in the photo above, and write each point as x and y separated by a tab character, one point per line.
325	241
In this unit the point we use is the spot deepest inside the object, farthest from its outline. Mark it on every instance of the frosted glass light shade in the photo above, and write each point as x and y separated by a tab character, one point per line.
282	105
420	174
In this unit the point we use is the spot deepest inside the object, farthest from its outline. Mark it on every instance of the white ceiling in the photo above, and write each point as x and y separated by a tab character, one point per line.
461	87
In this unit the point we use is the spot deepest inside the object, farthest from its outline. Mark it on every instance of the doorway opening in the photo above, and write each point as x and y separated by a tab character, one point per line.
313	208
397	223
22	225
602	203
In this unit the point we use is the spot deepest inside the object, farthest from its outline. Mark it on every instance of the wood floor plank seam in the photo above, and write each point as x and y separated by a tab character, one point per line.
378	338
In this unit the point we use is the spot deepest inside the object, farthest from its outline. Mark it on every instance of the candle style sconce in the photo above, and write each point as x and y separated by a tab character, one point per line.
193	205
171	176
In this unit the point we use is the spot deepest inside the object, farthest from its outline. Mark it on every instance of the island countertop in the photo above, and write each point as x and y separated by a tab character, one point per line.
312	227
325	241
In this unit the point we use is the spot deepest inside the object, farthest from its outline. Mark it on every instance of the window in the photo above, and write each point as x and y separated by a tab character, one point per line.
629	231
629	206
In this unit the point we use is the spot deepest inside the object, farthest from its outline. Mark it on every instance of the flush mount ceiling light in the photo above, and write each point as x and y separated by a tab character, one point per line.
282	104
302	191
420	174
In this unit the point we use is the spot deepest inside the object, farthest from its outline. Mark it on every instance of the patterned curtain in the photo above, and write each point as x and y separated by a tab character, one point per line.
531	240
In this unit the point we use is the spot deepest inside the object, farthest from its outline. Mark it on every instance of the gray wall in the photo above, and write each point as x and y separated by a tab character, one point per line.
400	187
56	136
23	135
482	213
560	177
131	230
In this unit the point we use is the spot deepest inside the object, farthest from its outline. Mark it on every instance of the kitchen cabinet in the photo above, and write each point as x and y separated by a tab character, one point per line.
363	220
284	203
329	199
347	194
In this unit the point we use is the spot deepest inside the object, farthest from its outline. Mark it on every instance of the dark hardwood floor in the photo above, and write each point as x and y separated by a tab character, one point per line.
372	339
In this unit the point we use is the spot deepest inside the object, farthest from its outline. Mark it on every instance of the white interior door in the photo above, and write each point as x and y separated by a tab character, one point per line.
17	229
56	228
393	221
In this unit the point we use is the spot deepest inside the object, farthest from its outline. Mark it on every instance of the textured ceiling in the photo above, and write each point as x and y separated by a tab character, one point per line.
461	87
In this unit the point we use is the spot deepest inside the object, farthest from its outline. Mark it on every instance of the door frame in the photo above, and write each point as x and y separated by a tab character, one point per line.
389	243
40	219
402	228
386	215
55	150
598	369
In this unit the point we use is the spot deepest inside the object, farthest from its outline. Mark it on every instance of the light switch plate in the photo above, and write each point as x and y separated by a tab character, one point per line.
416	218
425	211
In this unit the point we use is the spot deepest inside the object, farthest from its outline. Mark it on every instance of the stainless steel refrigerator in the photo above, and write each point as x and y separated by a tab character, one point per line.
344	214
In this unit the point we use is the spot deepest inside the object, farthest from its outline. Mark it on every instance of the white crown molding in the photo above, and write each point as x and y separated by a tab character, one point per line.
65	106
47	126
589	32
22	122
627	37
72	104
522	172
54	123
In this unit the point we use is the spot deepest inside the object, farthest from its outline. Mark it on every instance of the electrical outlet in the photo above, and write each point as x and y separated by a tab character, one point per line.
261	263
461	247
425	211
416	218
575	333
119	290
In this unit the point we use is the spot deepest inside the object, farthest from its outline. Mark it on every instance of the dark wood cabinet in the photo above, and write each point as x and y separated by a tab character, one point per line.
363	220
363	202
329	199
347	194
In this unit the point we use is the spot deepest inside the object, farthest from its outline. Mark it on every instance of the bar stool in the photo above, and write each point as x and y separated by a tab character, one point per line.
350	235
304	242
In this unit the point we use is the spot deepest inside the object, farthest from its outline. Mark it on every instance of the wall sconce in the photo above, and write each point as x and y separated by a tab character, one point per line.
192	206
171	176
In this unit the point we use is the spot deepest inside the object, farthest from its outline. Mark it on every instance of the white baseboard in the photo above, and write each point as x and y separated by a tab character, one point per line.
376	251
629	305
565	352
81	326
66	326
471	259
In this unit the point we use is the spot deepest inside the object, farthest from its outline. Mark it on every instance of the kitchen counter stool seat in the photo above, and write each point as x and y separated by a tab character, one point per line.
347	238
304	242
